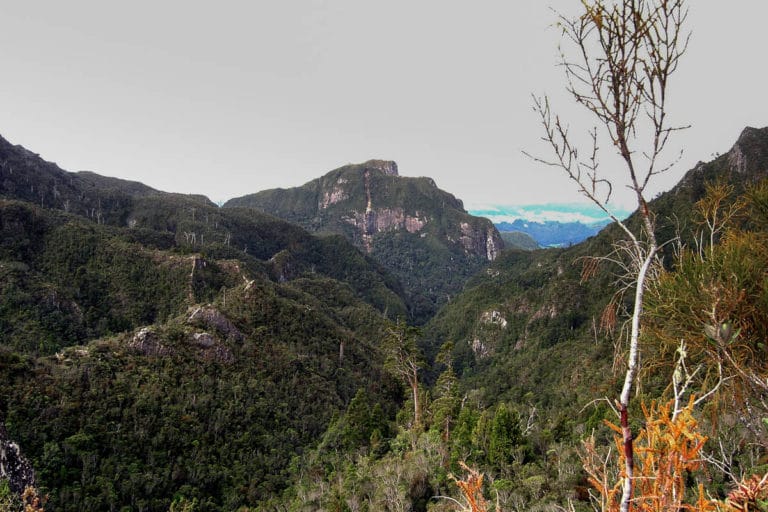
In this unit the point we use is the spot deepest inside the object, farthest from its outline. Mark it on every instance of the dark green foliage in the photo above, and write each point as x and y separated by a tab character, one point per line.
276	395
519	240
72	280
361	427
431	271
108	426
213	410
506	445
68	279
446	404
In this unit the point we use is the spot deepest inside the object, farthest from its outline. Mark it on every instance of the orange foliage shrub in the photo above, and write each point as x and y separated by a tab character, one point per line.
666	451
472	490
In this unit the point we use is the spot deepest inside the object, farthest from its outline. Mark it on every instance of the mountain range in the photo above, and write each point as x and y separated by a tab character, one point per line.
552	233
551	224
159	352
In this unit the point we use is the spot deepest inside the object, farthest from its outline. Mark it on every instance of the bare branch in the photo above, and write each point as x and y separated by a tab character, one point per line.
625	53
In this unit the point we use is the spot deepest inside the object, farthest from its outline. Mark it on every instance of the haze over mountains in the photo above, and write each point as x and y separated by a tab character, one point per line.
550	225
156	348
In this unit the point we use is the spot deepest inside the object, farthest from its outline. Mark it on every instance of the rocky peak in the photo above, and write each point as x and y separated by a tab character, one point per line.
750	153
211	318
386	166
420	233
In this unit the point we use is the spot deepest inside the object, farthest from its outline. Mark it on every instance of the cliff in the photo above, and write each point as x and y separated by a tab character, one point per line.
421	233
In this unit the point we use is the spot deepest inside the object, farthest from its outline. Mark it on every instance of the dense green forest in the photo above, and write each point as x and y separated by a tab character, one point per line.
521	367
147	373
161	353
136	342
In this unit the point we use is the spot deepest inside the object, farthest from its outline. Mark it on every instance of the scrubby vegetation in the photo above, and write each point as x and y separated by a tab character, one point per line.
145	374
161	354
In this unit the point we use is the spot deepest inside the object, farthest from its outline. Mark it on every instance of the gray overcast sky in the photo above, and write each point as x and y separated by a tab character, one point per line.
226	98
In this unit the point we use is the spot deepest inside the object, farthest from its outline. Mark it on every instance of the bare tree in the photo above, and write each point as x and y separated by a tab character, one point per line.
622	54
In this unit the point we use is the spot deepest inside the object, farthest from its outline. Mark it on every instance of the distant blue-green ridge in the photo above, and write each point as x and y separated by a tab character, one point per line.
585	213
550	224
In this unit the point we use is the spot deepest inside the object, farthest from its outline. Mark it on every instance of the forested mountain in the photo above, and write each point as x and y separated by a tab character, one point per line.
159	353
419	232
176	222
518	240
154	346
528	360
534	330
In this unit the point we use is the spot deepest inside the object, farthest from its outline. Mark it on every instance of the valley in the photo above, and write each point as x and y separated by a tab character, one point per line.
159	352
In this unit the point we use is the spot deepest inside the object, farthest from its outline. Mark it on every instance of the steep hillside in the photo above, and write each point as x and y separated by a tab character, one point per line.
420	233
212	405
530	333
155	347
521	323
519	240
186	223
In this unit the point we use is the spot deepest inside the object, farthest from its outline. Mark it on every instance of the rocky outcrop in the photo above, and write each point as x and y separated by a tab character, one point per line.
746	161
388	167
375	221
494	317
749	156
493	244
212	319
333	195
146	341
211	348
480	349
14	467
480	241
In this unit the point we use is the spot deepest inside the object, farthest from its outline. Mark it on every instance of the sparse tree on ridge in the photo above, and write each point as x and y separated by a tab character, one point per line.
403	359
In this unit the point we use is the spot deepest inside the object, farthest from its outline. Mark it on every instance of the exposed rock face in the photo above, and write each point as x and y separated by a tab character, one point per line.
334	195
388	167
147	342
493	244
211	348
747	160
13	465
494	317
213	319
476	241
375	221
203	339
479	348
750	153
422	234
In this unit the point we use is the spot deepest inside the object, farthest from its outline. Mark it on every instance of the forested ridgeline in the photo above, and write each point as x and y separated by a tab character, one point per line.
149	369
